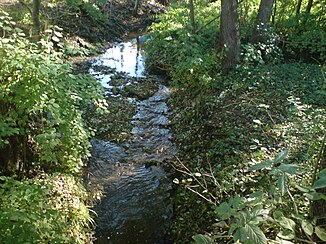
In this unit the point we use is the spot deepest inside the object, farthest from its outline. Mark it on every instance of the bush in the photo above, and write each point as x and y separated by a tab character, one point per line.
43	210
41	102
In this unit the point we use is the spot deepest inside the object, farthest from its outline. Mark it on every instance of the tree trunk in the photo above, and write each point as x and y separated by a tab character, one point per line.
229	38
297	12
309	6
36	20
192	16
262	21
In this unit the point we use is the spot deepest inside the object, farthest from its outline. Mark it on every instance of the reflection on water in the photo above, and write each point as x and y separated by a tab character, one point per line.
125	57
137	204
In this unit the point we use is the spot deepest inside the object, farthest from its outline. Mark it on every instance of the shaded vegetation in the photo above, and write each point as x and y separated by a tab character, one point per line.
251	142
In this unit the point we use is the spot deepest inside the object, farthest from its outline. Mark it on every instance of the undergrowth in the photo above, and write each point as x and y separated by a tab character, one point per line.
250	142
44	142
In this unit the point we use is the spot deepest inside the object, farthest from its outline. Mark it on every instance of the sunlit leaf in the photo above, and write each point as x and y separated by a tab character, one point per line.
286	223
307	227
286	235
321	233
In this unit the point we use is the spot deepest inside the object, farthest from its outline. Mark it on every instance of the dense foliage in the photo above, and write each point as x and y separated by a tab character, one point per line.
42	137
252	142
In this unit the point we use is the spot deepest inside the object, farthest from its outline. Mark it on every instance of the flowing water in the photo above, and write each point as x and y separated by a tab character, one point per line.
137	206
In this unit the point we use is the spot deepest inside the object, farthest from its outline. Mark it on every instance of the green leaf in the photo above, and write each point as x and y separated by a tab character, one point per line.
314	196
302	189
281	156
250	234
321	233
321	183
262	165
307	227
237	201
286	235
289	168
286	223
202	239
322	174
224	211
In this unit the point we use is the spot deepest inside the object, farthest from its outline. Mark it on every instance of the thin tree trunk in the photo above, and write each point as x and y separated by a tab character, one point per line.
297	12
36	20
229	38
309	6
192	16
262	21
274	12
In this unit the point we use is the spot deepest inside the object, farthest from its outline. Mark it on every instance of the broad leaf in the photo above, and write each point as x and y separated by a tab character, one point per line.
224	211
289	168
237	201
202	239
314	196
321	233
250	234
321	183
286	223
322	174
307	227
286	235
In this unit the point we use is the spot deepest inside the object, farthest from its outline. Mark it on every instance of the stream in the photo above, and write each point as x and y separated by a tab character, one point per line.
137	205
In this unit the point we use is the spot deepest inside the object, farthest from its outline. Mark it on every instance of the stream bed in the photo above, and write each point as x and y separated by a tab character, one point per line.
136	206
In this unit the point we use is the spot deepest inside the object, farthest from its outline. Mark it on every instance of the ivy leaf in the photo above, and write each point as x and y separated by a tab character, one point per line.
202	239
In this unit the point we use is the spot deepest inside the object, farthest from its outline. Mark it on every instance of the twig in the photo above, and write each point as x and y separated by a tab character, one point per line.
208	23
292	199
189	173
196	192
